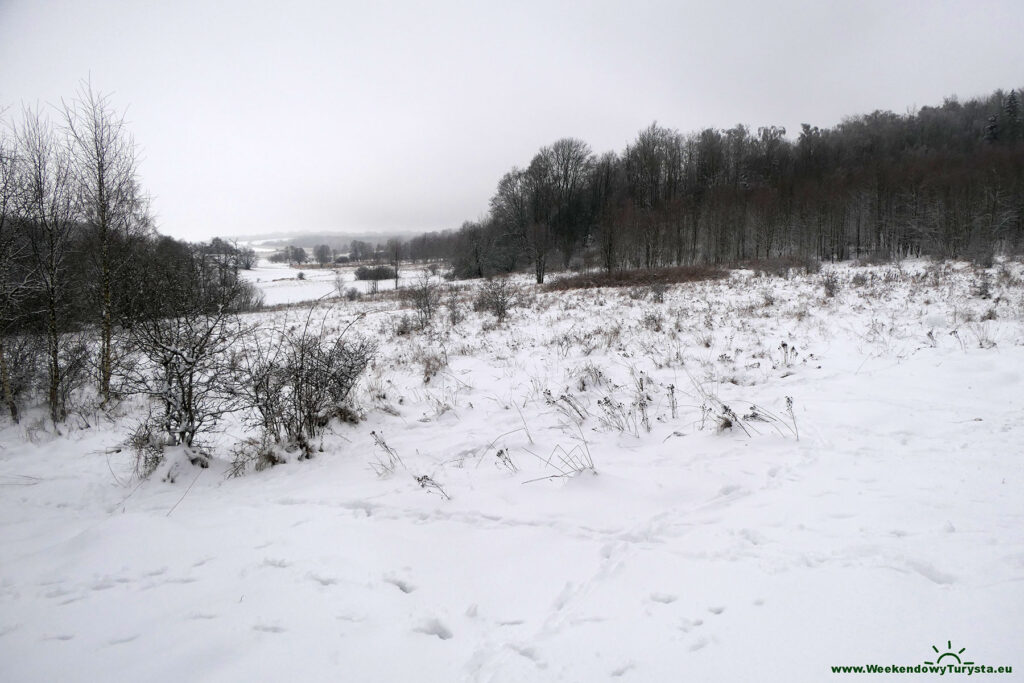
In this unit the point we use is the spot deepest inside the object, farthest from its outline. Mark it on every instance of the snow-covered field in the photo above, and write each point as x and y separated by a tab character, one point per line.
282	284
879	515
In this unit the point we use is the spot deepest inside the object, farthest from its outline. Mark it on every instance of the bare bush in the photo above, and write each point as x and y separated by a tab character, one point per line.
453	302
148	442
184	369
75	362
24	356
295	384
830	281
498	297
425	298
258	452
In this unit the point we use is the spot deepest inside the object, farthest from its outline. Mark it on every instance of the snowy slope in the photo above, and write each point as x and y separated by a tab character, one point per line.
881	517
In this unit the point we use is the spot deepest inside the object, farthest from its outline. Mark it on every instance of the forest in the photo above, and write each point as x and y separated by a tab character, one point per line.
946	181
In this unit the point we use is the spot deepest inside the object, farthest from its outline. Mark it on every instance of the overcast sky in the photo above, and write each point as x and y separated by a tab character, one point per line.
258	117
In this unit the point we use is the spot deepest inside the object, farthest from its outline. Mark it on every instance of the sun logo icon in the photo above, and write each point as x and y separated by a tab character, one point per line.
949	653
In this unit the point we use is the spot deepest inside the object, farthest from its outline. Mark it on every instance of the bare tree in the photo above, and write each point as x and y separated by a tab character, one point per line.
14	278
394	252
246	258
111	203
322	253
514	207
47	205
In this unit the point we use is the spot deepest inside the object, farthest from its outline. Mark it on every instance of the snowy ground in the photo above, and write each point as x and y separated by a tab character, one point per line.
880	518
283	284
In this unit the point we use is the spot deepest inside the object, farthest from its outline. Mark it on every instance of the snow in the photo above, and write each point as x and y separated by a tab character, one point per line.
894	522
280	282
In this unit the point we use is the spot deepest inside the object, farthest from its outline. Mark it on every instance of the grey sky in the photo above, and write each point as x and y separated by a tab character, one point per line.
268	116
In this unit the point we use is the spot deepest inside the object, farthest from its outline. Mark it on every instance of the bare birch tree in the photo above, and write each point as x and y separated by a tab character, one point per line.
112	205
46	200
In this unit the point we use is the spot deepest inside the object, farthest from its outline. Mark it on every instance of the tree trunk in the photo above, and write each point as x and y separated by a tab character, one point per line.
106	324
5	381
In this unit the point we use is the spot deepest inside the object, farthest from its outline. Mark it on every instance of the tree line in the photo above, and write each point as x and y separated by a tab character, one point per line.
82	269
946	180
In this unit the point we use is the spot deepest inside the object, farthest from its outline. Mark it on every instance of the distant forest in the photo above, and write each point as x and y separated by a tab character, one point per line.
946	181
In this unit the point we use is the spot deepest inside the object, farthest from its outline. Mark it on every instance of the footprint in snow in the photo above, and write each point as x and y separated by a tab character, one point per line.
663	598
322	580
401	585
529	653
433	627
699	644
717	609
625	668
276	563
122	641
263	628
686	624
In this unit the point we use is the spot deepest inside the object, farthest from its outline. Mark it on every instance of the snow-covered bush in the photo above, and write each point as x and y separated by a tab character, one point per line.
498	296
185	370
425	298
297	382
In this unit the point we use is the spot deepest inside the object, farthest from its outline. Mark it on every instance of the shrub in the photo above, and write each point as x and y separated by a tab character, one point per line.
425	298
185	370
147	442
375	273
498	297
453	303
26	367
652	321
295	390
830	281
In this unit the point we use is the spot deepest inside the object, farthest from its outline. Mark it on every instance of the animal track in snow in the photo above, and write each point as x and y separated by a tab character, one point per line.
322	580
401	585
276	563
433	627
529	653
122	641
687	624
628	666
